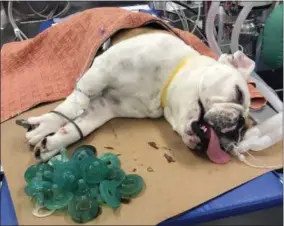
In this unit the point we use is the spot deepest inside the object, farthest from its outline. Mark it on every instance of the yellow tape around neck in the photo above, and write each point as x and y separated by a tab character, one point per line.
165	89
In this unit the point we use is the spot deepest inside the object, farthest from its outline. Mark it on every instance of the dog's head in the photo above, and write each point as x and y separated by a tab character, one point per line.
225	98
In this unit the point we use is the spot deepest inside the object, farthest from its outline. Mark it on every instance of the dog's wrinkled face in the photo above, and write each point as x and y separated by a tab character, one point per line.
226	98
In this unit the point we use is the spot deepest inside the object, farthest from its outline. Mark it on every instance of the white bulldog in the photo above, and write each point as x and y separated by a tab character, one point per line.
152	75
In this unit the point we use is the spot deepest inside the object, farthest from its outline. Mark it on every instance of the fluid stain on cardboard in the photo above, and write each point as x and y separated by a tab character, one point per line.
169	158
153	144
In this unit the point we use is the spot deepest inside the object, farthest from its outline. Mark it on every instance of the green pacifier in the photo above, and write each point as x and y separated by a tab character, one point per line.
131	186
109	193
39	189
117	175
31	172
85	189
83	208
59	198
111	160
66	175
94	171
83	152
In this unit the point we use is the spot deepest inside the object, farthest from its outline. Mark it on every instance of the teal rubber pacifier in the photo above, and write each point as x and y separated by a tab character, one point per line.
59	198
80	184
131	186
109	193
83	152
117	175
111	160
94	171
83	208
39	189
31	172
85	189
66	175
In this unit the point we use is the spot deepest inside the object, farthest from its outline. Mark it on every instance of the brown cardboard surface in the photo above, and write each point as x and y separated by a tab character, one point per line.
170	189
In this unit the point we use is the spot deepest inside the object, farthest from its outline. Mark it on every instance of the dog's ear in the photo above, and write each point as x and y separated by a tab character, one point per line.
239	61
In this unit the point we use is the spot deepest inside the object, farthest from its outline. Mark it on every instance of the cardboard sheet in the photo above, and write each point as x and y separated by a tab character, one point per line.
171	188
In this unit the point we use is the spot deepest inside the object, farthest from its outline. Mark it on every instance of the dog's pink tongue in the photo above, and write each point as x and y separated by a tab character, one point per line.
214	151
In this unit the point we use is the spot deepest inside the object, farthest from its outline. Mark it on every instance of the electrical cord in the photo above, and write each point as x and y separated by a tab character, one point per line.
188	19
30	14
20	35
185	6
67	7
198	18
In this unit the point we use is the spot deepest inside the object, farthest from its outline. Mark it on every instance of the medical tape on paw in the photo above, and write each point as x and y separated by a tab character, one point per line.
79	98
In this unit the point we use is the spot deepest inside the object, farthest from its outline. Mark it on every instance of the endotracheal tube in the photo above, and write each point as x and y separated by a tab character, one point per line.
260	137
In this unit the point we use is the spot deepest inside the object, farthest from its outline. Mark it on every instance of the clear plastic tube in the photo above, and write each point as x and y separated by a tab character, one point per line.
210	25
268	93
260	143
265	127
238	26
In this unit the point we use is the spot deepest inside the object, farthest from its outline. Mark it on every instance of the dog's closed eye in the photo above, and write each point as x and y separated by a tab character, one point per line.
239	95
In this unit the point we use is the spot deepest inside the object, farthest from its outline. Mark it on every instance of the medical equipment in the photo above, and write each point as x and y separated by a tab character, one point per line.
213	11
44	14
269	132
263	135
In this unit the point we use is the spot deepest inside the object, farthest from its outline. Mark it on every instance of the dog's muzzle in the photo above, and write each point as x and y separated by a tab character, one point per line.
228	125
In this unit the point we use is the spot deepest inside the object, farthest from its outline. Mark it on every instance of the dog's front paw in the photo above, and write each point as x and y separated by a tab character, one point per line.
44	150
40	127
191	136
191	141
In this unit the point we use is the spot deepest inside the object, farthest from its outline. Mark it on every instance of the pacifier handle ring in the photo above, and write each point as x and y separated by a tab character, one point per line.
36	213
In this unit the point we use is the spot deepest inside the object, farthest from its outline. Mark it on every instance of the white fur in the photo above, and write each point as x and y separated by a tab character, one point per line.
127	81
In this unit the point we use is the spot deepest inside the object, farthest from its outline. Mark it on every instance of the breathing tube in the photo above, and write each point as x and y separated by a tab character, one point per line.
238	26
269	132
210	25
263	135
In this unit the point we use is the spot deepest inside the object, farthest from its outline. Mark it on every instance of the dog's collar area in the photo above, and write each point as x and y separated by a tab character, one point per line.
170	79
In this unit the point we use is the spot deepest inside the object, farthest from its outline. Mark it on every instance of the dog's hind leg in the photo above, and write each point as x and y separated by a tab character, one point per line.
99	113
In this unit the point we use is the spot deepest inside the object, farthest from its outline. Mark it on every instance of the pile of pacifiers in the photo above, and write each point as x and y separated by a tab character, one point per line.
81	185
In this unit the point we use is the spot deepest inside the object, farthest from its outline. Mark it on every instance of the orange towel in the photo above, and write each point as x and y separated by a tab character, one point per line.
45	68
